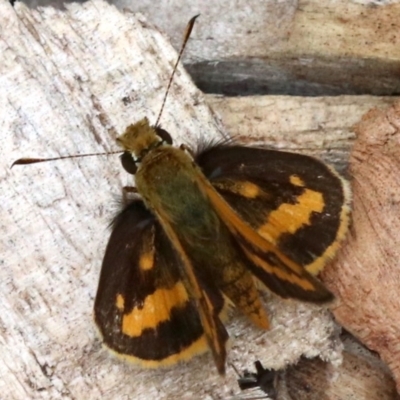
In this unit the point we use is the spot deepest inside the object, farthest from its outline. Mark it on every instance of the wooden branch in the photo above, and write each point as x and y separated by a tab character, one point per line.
71	79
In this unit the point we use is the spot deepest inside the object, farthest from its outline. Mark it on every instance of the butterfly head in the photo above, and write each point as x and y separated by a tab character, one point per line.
138	140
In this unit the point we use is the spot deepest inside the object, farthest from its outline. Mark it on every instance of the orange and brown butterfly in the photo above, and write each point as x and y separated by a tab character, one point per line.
207	230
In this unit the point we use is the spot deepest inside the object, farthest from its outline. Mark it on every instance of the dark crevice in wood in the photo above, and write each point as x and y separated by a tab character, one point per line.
305	76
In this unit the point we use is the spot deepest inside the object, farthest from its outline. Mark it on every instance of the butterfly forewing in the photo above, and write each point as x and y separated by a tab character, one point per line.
296	202
143	309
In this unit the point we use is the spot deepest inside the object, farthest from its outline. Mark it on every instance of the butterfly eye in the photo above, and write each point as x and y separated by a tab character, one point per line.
128	163
164	135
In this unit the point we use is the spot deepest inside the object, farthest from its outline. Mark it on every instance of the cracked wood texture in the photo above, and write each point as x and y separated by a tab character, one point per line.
70	80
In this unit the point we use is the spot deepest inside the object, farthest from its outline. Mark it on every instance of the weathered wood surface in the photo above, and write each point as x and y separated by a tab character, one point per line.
357	378
314	47
71	79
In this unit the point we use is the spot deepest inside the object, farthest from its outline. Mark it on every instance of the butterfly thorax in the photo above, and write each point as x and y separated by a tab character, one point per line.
168	181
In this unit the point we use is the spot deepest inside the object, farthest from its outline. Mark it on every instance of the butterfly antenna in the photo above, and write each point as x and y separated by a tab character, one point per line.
25	161
186	36
188	31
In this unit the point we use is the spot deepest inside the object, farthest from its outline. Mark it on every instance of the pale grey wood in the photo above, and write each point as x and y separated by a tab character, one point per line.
70	80
318	126
298	47
301	47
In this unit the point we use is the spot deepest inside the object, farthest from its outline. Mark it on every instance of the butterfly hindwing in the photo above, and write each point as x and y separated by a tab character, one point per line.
294	206
143	309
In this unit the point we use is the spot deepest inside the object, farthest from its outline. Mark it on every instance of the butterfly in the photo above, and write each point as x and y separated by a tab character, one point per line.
204	231
207	230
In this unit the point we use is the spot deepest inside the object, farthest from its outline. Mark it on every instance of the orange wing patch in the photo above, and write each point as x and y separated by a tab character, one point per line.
289	218
146	260
248	190
296	180
156	309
